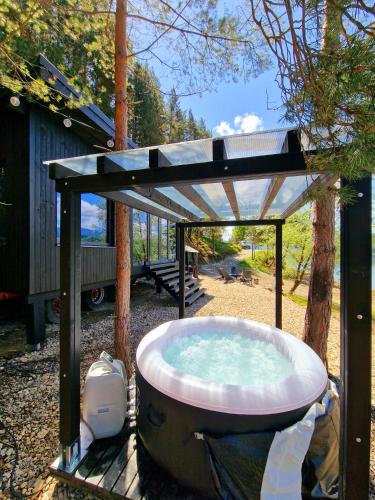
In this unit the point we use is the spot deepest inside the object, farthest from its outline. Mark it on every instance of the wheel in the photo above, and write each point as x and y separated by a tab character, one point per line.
94	298
111	293
53	310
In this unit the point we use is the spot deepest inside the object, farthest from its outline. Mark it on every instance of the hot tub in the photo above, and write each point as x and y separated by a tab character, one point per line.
219	375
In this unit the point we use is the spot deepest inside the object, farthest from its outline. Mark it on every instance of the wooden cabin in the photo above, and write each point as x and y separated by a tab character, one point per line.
29	224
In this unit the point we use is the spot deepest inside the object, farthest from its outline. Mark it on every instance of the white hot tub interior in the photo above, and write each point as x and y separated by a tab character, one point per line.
227	357
231	365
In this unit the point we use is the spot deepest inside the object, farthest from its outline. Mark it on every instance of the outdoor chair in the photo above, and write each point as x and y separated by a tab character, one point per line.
220	271
246	277
227	277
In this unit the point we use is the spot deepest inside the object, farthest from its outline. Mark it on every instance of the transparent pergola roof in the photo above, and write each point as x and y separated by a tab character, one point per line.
249	195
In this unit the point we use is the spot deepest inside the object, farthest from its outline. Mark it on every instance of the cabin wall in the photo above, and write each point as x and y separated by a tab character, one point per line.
50	140
13	190
29	254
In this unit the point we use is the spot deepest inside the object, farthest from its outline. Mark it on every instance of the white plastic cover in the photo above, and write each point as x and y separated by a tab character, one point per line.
307	382
105	398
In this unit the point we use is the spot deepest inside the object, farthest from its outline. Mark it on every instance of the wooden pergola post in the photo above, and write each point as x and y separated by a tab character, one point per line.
70	328
278	223
355	340
279	277
181	266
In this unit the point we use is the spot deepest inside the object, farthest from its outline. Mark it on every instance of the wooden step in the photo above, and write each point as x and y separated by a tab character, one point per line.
190	287
167	277
165	270
159	266
176	280
187	284
191	290
195	296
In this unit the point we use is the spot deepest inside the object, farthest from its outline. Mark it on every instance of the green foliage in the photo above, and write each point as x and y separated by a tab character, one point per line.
147	111
181	126
210	244
79	40
239	234
340	104
257	235
80	46
139	236
297	247
152	121
205	46
224	249
264	261
325	56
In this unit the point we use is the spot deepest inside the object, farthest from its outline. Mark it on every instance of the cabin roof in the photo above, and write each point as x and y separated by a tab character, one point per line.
89	117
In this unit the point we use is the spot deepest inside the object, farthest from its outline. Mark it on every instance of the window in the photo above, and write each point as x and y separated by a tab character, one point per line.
139	237
164	239
93	219
154	238
171	240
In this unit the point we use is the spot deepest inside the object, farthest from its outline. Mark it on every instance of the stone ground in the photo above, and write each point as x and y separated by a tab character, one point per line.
29	380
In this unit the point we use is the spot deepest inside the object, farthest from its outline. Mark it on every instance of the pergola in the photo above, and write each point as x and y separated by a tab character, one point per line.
247	179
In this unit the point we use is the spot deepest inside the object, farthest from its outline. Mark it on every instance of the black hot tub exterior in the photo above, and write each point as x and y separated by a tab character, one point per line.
166	427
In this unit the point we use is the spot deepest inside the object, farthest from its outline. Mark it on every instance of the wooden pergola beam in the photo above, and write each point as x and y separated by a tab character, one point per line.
274	187
326	180
59	172
156	157
106	165
233	169
219	153
191	194
291	145
232	198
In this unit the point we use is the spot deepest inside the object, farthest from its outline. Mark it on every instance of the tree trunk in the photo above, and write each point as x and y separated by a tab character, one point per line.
318	312
296	284
123	264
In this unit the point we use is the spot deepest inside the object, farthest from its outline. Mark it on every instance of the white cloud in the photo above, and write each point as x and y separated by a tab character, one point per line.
248	122
90	215
242	124
224	129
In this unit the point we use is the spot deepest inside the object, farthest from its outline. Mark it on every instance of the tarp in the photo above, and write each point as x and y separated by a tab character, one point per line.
280	465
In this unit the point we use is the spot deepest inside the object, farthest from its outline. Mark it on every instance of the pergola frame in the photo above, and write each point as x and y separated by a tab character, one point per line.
278	223
356	260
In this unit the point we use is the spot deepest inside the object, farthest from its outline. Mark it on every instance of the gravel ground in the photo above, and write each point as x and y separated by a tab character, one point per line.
29	381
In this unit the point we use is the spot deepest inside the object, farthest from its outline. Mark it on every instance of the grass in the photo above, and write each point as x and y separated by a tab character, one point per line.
259	263
302	301
225	249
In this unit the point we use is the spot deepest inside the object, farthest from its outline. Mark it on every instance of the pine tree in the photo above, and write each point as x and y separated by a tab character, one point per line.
148	114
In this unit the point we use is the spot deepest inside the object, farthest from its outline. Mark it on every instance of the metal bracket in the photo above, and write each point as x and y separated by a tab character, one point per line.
70	456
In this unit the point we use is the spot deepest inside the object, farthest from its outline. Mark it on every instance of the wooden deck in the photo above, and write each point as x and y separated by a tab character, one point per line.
121	468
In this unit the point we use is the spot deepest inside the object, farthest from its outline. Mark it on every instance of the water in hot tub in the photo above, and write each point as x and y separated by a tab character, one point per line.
228	358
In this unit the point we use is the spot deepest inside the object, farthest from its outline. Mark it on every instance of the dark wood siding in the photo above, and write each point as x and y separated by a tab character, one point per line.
14	190
50	140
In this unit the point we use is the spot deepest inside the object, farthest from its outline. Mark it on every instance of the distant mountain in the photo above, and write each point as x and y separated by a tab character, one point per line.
90	233
86	233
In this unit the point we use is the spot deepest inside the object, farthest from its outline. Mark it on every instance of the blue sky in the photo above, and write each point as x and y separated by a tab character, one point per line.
245	100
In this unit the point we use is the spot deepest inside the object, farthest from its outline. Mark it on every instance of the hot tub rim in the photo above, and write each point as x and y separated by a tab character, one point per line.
203	386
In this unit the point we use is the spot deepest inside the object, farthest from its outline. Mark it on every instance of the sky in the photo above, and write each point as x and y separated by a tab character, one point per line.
240	107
